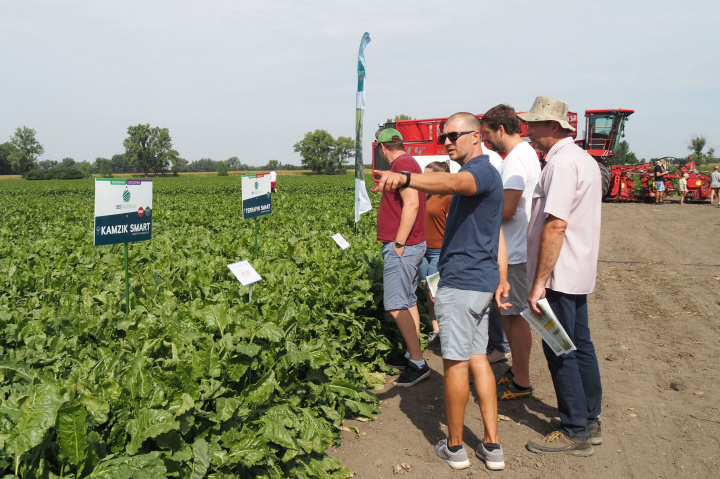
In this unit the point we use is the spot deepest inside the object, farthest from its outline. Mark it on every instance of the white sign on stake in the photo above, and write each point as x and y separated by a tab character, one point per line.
341	242
244	272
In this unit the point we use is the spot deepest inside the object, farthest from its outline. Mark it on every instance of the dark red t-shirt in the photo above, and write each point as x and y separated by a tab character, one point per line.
388	218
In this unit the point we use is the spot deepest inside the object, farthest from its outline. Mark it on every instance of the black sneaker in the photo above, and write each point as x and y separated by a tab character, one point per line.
412	375
398	361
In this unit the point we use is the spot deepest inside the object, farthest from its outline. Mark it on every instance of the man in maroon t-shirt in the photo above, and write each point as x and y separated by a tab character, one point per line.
401	229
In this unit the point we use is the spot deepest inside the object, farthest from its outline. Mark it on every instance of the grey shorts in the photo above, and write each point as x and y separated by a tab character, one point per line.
660	185
519	289
400	275
463	319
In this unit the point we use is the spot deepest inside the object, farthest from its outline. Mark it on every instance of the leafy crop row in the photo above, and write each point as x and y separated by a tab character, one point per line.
196	381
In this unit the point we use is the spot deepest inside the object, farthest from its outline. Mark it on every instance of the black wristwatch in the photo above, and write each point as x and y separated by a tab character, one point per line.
407	182
399	245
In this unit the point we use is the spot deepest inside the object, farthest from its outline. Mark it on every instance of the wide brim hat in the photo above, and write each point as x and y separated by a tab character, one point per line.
547	109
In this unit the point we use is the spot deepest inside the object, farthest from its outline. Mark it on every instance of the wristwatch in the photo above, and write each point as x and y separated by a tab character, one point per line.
407	182
399	244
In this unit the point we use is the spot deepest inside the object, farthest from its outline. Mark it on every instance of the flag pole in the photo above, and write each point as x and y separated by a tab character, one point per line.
362	200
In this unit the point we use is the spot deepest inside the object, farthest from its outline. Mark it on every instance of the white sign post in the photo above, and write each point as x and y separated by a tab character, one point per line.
256	199
123	214
246	274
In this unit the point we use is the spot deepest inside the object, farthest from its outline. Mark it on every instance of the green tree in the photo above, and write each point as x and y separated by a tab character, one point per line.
400	117
27	149
46	164
344	149
121	164
273	165
5	166
202	165
67	163
149	149
103	167
323	154
696	145
222	168
84	167
233	163
623	155
177	165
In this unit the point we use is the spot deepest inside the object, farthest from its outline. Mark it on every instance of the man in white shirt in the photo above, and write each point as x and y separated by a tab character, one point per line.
273	181
520	172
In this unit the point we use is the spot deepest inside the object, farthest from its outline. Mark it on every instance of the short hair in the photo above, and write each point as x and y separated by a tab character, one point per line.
502	115
468	119
439	166
395	144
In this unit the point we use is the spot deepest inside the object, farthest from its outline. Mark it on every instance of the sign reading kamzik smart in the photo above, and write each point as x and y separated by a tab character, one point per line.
256	195
123	211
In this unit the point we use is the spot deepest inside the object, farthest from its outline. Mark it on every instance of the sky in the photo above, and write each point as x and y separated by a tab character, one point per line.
250	79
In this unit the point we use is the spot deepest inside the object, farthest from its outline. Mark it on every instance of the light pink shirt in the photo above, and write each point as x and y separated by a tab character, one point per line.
570	188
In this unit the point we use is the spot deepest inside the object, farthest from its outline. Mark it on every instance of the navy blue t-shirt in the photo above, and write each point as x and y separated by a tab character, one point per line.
468	258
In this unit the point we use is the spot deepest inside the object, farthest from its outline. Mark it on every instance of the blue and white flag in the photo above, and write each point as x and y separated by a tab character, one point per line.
362	200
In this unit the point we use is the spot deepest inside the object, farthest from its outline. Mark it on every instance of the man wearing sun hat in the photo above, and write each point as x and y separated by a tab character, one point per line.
401	229
563	242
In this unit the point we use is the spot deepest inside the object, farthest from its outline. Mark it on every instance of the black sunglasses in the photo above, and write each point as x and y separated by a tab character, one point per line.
453	136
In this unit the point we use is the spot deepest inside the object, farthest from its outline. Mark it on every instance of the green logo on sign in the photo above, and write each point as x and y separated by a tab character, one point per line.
256	185
126	196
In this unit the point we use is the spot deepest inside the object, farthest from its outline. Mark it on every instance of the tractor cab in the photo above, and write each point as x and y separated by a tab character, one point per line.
603	131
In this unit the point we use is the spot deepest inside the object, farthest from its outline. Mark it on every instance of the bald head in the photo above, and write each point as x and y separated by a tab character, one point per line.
466	121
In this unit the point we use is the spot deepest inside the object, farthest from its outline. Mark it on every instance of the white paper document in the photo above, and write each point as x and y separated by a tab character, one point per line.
549	328
432	282
244	272
341	242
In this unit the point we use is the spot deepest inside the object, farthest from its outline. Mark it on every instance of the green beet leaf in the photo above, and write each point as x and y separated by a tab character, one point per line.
72	434
148	424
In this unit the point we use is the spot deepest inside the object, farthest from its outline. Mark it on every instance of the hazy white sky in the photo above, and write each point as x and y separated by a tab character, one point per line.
249	79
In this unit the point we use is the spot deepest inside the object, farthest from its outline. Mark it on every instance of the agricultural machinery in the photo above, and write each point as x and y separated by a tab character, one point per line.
637	182
603	131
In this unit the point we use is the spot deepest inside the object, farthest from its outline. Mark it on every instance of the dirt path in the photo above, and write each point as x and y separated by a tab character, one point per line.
655	318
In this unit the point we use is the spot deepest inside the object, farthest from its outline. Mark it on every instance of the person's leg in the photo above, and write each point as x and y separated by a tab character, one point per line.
497	339
520	339
485	389
587	360
457	393
565	371
431	308
405	321
400	283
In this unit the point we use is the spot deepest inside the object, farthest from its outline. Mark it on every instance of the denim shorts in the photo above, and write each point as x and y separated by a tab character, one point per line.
400	275
429	263
660	185
463	319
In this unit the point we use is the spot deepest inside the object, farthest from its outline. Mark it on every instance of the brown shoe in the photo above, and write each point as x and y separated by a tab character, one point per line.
595	430
494	356
557	442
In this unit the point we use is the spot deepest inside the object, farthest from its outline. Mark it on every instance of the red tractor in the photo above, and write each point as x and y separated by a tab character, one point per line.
603	130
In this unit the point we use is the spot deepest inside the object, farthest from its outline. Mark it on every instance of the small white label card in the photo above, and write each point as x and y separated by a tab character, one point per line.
341	242
244	272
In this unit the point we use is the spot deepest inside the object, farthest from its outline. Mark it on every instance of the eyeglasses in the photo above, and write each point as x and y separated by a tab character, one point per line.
453	136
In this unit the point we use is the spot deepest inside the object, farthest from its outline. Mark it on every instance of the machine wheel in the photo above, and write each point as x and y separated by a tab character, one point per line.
605	173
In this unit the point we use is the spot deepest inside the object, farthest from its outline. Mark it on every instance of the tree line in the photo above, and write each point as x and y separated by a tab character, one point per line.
147	150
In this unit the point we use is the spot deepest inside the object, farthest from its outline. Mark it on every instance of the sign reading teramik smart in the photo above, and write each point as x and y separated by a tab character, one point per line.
123	211
256	195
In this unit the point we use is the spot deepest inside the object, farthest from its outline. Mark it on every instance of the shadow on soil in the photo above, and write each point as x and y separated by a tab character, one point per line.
424	405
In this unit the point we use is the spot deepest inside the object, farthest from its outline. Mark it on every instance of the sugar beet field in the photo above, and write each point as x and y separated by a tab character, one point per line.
196	381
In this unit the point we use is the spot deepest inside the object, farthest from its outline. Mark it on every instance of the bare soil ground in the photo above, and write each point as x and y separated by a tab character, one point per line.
655	320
